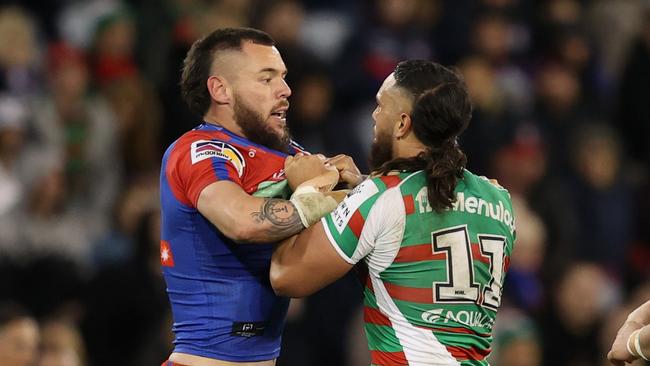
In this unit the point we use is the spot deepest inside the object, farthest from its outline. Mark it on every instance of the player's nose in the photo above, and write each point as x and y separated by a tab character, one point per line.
284	91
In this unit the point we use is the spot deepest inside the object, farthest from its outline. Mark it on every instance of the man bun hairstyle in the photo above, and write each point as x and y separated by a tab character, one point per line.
441	112
198	62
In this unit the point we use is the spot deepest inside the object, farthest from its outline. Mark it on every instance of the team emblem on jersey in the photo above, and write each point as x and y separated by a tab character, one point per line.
205	149
166	256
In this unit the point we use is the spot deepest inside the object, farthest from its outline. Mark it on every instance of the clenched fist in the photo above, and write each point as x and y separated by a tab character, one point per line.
348	171
310	169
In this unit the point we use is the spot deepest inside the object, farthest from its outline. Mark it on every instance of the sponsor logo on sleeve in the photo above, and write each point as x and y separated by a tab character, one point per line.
206	149
341	216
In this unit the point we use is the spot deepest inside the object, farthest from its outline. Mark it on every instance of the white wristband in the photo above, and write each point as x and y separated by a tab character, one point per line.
627	344
311	204
637	345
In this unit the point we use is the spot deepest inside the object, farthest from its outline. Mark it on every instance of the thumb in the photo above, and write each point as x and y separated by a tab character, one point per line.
288	161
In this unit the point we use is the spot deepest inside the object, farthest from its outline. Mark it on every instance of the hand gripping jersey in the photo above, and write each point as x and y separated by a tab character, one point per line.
222	301
434	280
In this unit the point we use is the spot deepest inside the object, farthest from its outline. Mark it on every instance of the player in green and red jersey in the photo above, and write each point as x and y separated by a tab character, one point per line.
436	239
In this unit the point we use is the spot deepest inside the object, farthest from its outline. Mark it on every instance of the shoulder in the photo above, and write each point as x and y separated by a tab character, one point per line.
196	146
484	185
375	193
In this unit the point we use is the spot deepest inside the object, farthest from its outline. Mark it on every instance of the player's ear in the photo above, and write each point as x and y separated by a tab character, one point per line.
219	89
403	126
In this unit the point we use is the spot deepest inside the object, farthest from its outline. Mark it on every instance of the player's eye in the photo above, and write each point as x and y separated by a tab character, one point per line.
266	80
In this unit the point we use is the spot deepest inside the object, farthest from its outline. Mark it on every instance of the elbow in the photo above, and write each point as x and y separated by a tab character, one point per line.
241	233
279	282
283	285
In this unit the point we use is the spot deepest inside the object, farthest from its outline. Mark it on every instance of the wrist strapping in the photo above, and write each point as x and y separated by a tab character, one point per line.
637	345
311	204
630	340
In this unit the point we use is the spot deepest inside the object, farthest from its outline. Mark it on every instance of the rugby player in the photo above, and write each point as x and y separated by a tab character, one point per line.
223	198
436	239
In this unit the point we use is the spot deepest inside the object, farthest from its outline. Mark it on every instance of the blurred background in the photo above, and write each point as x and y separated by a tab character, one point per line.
89	100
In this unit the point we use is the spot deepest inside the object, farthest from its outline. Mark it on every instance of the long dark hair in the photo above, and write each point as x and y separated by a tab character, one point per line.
441	112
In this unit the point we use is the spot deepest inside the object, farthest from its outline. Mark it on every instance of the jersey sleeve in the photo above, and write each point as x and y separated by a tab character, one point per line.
361	222
206	162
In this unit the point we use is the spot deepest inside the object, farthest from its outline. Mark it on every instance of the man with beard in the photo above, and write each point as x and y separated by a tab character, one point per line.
436	239
222	189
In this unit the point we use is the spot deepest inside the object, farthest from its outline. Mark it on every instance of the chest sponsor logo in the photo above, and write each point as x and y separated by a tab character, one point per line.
206	149
471	205
341	216
468	318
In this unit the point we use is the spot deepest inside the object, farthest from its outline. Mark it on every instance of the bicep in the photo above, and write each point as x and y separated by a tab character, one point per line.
224	204
304	264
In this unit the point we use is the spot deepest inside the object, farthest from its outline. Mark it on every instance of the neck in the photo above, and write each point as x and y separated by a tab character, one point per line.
224	118
408	148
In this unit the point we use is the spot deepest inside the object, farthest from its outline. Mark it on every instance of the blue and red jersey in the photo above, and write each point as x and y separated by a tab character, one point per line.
222	301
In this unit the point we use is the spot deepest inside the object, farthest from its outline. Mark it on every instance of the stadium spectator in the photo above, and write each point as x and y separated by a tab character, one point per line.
19	336
61	344
574	316
13	121
19	72
602	199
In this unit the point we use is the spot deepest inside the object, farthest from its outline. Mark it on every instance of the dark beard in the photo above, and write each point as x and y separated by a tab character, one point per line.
381	151
255	129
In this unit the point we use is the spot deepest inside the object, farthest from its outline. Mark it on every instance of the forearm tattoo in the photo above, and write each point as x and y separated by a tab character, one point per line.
282	216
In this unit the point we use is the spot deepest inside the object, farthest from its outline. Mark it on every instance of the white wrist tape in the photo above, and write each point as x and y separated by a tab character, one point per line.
637	345
630	339
311	204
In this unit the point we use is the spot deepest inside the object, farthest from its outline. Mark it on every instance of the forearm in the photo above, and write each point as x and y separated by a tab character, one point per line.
305	263
247	219
276	219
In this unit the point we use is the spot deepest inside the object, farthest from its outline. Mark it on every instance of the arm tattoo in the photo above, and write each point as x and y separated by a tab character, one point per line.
282	216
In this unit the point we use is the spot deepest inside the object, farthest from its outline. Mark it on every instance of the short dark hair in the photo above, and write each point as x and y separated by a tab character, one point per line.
441	111
197	63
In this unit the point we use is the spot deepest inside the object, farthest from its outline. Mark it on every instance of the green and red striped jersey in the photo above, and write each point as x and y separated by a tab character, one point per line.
434	279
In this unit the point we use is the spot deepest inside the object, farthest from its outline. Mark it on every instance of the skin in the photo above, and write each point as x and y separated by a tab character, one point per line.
255	75
638	319
19	342
305	263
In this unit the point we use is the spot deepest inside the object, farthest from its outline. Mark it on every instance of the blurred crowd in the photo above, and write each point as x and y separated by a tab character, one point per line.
89	100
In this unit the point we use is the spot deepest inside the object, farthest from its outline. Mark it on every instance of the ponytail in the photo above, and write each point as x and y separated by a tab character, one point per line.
443	167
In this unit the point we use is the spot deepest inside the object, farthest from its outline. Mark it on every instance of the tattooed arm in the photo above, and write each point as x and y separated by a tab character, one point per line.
245	218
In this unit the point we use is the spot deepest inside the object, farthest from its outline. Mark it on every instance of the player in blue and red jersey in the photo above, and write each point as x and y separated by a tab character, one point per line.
223	197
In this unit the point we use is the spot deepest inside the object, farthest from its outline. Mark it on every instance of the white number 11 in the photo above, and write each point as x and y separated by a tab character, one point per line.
461	285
